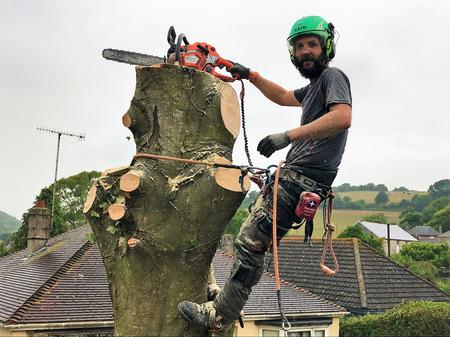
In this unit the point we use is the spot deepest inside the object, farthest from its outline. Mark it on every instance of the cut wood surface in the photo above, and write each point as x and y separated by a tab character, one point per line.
229	108
126	120
130	181
116	211
90	199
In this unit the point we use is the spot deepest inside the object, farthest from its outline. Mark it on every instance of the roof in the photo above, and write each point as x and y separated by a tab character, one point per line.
423	230
366	282
380	231
445	235
67	284
263	299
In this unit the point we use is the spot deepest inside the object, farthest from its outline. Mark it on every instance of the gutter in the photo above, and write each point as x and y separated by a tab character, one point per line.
277	316
57	326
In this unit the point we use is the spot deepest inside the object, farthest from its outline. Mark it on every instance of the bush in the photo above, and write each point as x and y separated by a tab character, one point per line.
355	231
236	222
407	319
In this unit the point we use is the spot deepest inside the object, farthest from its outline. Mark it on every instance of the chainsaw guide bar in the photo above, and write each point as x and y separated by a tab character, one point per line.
131	57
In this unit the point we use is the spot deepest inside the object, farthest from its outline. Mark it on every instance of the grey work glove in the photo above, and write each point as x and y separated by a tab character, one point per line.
239	70
268	145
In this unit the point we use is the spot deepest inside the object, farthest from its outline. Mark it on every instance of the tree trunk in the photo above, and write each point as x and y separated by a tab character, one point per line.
158	222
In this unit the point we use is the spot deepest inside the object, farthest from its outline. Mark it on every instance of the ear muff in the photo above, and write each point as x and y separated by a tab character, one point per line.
330	45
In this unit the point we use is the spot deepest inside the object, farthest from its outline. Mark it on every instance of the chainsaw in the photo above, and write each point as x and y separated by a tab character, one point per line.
199	55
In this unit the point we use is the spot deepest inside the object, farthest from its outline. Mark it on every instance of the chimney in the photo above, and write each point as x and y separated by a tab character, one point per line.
39	220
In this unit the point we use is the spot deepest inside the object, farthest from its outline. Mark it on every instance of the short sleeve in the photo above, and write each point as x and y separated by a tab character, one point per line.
300	94
336	87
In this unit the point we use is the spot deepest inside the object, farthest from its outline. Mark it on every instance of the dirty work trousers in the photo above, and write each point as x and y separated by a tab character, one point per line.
251	244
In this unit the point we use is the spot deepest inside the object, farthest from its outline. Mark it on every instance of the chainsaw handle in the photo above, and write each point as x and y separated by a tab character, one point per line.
221	62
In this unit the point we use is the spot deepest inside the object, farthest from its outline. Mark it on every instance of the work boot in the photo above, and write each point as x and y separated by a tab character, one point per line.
203	315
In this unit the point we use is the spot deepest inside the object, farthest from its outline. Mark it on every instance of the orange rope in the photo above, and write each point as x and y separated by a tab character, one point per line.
285	322
274	226
188	161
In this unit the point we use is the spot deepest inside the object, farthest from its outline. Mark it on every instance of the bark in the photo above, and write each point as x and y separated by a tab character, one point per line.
158	223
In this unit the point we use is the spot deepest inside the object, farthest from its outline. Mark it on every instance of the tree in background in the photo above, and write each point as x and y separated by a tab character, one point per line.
381	198
441	219
400	189
69	203
440	188
378	218
428	260
410	218
236	222
355	231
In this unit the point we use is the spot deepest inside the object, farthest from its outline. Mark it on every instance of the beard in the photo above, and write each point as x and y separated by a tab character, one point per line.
311	71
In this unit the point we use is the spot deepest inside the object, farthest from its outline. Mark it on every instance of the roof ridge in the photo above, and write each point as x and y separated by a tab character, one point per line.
359	273
50	283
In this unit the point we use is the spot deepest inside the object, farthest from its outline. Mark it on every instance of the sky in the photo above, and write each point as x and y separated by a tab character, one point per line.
52	74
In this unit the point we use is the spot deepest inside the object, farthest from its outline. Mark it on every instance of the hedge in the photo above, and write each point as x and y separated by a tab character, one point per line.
407	319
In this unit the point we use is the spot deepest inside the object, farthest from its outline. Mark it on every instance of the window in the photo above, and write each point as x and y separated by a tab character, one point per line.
294	332
270	333
299	333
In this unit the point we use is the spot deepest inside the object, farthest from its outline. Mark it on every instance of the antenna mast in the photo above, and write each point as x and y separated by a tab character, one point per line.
80	137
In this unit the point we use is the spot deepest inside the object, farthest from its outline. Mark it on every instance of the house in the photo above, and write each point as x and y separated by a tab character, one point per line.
445	237
425	233
398	237
367	282
61	289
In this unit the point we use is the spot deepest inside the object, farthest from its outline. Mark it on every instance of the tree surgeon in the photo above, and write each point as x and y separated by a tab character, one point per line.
311	164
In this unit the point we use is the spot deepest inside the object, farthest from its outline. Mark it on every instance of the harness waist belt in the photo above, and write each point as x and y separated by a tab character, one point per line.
301	180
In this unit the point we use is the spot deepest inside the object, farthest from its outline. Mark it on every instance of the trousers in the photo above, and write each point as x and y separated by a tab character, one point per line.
252	243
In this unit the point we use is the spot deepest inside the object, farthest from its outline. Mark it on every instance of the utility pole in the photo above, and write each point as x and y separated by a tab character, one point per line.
80	137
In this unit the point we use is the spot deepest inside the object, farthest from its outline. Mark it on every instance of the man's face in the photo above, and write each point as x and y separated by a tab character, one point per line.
308	52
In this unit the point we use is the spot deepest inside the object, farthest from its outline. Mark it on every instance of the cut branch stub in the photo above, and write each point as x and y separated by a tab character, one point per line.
126	120
116	211
130	181
90	198
230	179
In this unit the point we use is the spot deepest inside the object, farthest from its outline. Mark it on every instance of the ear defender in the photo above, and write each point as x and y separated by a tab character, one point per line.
330	45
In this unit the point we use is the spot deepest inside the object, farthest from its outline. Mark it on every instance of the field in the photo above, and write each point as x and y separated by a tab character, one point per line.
343	218
369	196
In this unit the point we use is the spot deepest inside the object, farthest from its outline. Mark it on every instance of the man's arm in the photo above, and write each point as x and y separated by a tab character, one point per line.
273	91
337	119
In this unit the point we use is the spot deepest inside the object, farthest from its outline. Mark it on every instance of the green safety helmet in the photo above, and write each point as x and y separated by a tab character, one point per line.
313	25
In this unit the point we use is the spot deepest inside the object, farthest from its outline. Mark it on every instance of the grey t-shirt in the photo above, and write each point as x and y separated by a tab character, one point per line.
332	87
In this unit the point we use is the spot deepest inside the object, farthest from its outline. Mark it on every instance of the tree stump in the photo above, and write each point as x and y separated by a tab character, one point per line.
158	222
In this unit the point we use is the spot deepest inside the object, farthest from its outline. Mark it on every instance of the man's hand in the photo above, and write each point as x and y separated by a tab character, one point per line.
239	70
272	143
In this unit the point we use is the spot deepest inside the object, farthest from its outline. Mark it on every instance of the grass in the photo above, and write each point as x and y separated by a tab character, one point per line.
369	196
343	218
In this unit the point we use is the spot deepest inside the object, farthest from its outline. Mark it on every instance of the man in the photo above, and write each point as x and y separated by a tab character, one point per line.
311	164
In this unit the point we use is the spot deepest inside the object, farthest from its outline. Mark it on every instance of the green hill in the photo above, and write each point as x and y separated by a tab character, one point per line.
369	196
8	223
